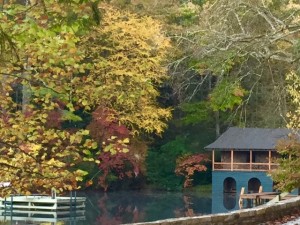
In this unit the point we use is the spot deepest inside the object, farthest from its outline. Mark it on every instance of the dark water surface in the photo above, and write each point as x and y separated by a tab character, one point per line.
121	207
138	206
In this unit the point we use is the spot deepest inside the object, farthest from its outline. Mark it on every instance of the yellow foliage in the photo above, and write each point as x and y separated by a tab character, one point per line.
286	176
293	88
128	60
41	164
118	65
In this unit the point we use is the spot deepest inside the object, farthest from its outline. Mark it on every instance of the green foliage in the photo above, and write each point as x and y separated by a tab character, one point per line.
199	2
202	189
287	176
228	40
161	164
226	95
185	15
219	63
196	113
178	141
67	115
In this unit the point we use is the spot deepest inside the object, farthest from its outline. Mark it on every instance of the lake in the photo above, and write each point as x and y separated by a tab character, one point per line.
114	208
139	206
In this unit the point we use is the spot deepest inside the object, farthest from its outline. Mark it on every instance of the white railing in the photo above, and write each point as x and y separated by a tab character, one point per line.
244	166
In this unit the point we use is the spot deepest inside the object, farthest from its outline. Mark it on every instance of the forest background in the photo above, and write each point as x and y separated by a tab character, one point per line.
126	93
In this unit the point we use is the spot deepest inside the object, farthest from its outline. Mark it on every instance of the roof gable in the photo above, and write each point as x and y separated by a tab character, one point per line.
249	138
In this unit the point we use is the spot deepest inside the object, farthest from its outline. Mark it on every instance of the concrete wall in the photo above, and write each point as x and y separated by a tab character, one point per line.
253	216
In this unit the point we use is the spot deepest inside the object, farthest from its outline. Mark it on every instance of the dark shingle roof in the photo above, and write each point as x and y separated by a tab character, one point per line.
249	138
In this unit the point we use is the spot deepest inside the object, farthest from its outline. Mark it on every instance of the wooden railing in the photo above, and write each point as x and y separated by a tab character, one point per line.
244	166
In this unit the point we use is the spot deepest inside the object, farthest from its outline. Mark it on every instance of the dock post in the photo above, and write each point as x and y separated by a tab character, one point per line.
4	209
71	195
53	193
11	207
73	203
241	199
260	190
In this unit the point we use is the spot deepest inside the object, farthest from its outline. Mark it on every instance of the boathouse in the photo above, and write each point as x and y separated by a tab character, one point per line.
241	157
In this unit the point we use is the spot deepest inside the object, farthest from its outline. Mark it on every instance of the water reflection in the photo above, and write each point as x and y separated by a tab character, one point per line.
18	216
224	202
129	207
229	200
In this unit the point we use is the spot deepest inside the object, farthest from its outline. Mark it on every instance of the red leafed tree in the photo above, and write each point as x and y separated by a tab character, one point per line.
122	165
105	124
54	119
187	165
118	158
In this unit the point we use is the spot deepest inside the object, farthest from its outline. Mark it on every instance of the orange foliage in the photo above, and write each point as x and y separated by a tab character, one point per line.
188	165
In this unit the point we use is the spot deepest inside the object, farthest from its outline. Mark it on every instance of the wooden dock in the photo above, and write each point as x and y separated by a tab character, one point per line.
259	198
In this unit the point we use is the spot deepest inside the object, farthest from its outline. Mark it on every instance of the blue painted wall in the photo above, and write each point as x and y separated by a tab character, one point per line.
241	178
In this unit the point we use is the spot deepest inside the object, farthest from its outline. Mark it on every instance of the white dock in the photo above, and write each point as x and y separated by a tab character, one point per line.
42	203
39	208
41	216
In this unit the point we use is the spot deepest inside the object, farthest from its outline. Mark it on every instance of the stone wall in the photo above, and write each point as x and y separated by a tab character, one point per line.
253	216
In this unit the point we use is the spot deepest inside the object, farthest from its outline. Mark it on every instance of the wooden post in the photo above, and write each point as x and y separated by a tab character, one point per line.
250	160
231	162
11	206
241	198
260	201
213	160
270	157
53	193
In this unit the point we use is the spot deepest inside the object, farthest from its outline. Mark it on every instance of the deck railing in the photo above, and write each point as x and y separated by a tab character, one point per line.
244	166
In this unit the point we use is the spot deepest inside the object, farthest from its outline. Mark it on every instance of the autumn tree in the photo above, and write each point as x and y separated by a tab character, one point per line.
35	158
121	156
60	65
128	62
287	176
189	164
38	52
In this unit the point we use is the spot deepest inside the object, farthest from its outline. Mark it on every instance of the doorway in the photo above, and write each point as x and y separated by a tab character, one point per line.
253	185
229	185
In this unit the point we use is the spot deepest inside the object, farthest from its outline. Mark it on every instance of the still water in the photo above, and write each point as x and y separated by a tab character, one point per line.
121	207
139	206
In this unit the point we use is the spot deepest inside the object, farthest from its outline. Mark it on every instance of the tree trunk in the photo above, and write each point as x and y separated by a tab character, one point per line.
26	95
217	117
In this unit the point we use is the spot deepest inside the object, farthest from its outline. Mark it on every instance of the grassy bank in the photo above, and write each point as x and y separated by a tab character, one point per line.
201	189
